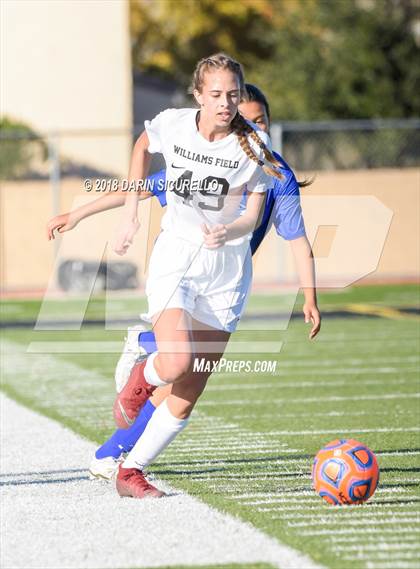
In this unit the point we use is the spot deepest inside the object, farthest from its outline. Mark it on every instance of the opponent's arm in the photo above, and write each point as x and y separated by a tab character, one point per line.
304	260
139	168
217	235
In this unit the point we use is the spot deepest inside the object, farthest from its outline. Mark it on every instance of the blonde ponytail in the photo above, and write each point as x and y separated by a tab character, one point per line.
242	130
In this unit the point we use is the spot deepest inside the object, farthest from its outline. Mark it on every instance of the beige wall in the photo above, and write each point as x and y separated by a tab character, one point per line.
399	192
379	233
65	65
28	258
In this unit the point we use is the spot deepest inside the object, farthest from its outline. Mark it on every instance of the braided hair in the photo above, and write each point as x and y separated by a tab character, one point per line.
239	125
251	94
243	130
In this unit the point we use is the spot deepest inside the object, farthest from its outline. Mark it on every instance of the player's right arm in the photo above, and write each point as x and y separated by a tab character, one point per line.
141	159
67	221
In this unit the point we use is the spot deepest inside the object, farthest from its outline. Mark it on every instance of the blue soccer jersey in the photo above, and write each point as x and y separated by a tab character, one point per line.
156	185
282	205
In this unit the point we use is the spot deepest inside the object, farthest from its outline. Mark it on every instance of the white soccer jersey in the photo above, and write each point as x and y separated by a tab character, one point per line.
205	180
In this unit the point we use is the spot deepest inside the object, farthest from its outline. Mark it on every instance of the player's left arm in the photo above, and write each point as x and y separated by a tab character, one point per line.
304	260
217	235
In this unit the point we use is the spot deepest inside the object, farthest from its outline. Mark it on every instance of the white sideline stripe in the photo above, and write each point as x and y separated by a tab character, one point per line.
277	499
384	510
228	444
373	539
227	447
219	461
95	527
225	454
105	347
364	346
393	565
335	371
343	515
280	500
111	347
278	505
274	413
294	496
376	546
403	480
223	439
409	520
332	398
350	430
215	427
347	361
279	384
261	476
309	493
346	338
396	452
336	532
376	560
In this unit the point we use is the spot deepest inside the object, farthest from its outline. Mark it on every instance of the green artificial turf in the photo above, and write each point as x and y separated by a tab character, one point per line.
250	444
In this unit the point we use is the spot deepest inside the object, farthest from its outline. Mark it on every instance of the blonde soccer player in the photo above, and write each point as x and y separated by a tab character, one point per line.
200	270
281	208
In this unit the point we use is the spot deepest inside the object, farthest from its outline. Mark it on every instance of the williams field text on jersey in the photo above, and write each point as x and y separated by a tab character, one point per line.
205	159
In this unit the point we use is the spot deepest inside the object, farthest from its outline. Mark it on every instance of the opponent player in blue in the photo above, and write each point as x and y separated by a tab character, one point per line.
281	207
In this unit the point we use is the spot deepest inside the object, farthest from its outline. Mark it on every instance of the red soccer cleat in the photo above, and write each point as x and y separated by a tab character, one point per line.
132	397
131	483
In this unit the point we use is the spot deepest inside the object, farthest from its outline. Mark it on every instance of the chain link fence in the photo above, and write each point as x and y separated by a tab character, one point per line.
350	144
311	146
45	174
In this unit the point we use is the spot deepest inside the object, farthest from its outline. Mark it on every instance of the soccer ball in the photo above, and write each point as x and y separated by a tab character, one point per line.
345	472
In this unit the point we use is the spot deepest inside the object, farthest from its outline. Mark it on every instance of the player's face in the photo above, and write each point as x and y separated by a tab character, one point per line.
256	113
219	98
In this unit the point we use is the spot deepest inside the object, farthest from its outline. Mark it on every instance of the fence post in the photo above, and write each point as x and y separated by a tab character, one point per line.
276	134
54	161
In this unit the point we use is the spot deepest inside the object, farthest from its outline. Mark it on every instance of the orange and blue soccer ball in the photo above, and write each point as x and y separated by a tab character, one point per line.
345	472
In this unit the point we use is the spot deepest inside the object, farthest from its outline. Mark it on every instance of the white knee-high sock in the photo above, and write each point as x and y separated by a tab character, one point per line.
150	373
161	430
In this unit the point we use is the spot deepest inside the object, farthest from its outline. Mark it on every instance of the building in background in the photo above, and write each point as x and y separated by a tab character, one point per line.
66	67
